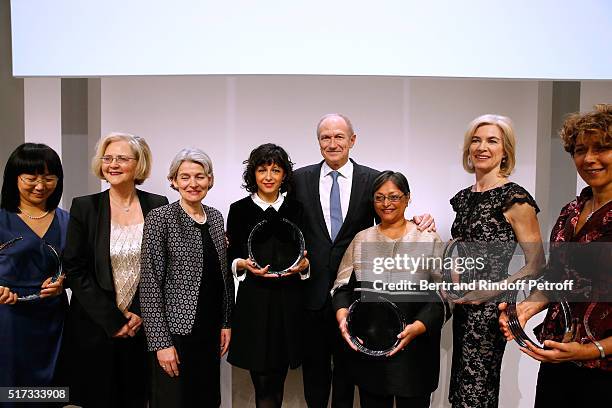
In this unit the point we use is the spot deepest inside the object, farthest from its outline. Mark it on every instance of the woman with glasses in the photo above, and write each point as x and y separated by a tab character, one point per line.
492	215
32	234
186	290
267	321
408	374
104	348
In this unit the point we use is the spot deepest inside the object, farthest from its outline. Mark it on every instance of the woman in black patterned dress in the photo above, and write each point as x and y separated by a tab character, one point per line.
499	213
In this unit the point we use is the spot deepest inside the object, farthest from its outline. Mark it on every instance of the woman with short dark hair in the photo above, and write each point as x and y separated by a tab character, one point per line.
408	374
266	337
32	235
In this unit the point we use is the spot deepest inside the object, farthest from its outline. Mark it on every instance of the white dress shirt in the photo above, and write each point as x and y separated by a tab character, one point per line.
345	182
264	206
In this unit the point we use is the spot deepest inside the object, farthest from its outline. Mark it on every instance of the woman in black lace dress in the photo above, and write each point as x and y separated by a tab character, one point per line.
493	214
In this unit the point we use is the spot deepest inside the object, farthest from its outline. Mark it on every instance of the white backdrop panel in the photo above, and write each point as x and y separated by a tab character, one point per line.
556	39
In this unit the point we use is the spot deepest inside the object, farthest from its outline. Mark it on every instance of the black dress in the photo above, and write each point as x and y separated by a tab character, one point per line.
478	344
266	324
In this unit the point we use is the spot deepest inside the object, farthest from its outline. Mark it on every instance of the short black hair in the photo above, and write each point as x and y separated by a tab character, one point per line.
394	176
267	154
31	158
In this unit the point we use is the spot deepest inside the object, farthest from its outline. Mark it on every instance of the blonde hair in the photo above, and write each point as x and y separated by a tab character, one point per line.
509	142
139	147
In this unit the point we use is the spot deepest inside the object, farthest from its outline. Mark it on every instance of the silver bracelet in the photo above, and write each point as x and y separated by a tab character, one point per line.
602	352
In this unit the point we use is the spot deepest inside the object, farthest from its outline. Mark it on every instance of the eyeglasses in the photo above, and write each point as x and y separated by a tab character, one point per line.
393	198
119	159
31	180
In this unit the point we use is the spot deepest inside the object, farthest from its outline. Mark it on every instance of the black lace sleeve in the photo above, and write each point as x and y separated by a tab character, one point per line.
457	200
518	195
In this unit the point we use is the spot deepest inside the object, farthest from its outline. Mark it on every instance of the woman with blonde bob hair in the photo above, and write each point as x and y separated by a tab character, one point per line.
140	151
504	124
104	352
492	213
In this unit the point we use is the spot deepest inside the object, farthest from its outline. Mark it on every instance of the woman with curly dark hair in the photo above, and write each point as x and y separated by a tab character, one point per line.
577	371
266	333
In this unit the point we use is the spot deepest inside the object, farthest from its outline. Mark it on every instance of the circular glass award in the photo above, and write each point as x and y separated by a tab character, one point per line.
599	310
373	326
276	242
27	292
454	251
519	333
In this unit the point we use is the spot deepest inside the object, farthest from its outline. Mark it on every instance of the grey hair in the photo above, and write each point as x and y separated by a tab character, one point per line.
191	155
346	120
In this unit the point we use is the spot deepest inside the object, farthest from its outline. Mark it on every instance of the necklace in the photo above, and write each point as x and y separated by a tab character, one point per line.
194	216
593	209
475	187
123	207
32	217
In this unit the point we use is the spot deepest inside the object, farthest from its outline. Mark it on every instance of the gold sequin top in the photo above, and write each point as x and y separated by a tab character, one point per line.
125	241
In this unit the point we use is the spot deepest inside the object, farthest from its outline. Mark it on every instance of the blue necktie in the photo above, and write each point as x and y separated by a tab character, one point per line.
335	207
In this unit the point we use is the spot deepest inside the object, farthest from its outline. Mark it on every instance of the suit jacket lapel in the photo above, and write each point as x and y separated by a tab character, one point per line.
313	185
216	234
359	186
102	244
145	205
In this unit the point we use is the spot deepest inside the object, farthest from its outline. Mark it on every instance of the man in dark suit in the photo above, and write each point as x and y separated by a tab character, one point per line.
337	205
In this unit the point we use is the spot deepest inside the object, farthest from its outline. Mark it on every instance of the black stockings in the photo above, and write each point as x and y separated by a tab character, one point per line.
269	388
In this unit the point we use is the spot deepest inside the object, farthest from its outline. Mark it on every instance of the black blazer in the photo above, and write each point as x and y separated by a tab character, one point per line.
87	260
323	254
172	259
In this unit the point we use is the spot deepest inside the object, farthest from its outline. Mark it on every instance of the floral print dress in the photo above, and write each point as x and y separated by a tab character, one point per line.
589	267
